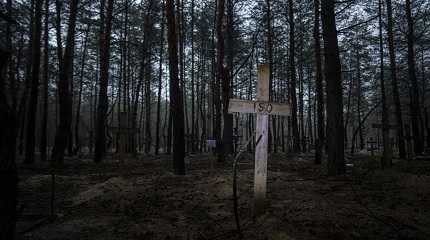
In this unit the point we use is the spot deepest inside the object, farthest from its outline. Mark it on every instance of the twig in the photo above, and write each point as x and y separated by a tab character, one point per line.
236	159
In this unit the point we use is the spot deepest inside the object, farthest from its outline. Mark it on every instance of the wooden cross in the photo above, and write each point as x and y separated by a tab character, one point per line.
263	108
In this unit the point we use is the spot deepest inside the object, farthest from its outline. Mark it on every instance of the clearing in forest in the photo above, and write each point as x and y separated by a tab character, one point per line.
141	199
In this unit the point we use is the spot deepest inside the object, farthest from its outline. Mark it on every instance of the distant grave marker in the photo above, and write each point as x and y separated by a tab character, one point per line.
263	108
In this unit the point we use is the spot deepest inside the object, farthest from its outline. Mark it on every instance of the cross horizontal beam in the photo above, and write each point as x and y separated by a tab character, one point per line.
260	107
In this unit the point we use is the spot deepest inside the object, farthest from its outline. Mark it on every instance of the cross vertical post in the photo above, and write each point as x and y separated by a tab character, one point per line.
260	171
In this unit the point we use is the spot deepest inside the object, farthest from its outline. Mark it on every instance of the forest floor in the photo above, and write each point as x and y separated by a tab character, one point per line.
142	199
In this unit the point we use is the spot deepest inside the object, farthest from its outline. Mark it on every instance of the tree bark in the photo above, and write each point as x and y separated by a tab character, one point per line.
301	95
180	26
227	91
176	105
219	78
22	107
335	142
8	170
44	121
64	91
105	37
394	82
292	65
35	71
319	84
358	97
271	66
160	85
148	136
387	151
193	113
415	105
81	83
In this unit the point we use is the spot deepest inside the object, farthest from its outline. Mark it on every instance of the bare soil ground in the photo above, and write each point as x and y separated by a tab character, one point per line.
141	199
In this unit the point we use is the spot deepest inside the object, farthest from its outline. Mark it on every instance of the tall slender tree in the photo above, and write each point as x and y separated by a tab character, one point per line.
102	108
293	82
81	85
415	104
44	121
319	84
22	107
193	99
333	76
219	77
64	91
227	80
394	82
359	95
148	76
35	72
8	170
269	41
176	105
387	151
160	83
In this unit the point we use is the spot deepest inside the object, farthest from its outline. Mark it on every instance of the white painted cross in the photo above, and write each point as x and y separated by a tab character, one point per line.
263	108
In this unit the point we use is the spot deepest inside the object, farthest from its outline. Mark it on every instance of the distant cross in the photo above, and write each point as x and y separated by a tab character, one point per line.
263	108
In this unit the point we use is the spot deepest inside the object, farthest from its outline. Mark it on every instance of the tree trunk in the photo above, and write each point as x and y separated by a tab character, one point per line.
148	137
348	110
301	95
193	114
64	91
219	78
11	68
387	152
160	85
336	161
180	26
176	105
8	171
102	108
319	85
271	66
227	90
292	64
394	83
426	124
44	121
227	141
35	71
415	105
309	112
358	97
22	107
81	80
